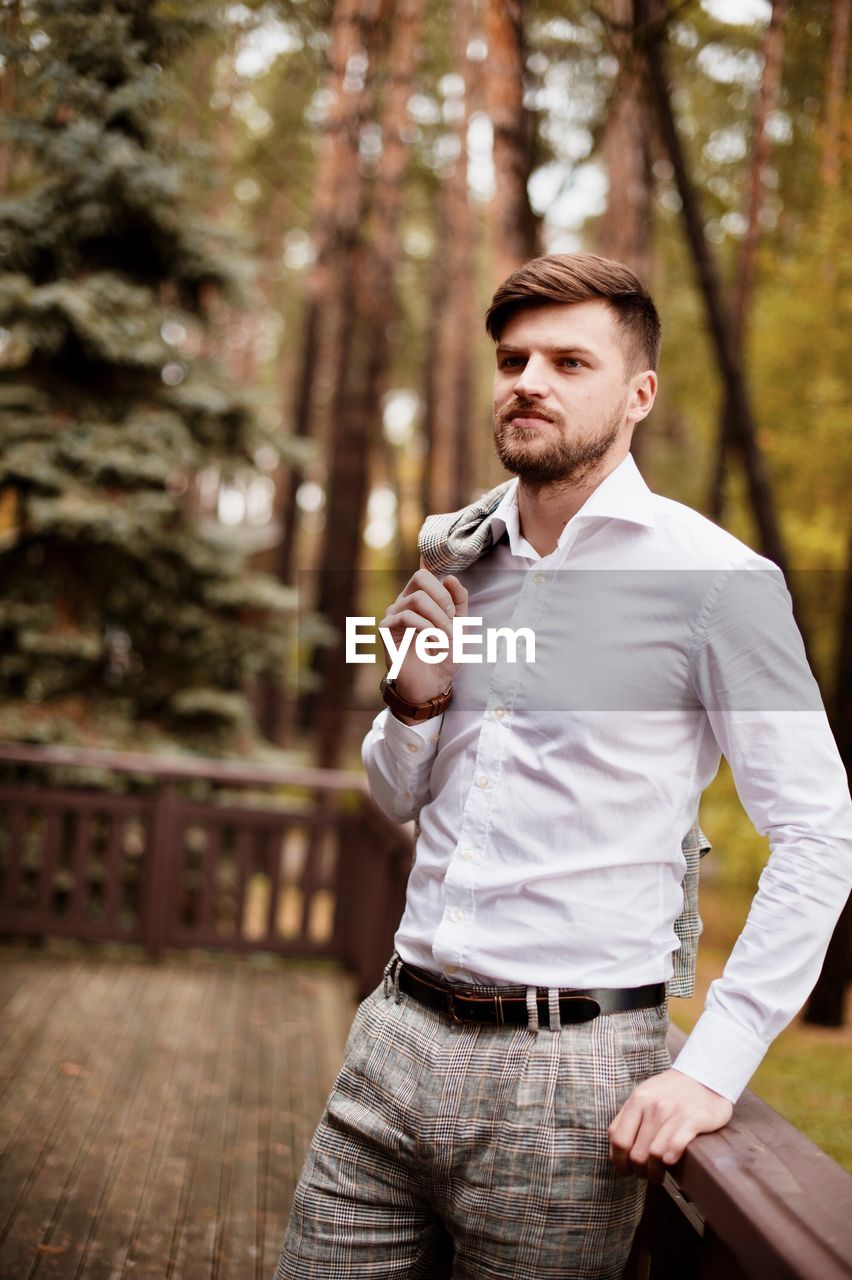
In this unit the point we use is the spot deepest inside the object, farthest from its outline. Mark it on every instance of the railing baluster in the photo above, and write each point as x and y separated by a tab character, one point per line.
272	839
112	865
242	855
206	924
164	846
309	879
79	865
15	858
49	860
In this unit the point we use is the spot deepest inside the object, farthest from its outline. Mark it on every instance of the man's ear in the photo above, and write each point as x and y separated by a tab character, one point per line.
642	397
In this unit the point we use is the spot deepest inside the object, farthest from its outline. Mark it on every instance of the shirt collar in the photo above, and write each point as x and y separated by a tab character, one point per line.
622	495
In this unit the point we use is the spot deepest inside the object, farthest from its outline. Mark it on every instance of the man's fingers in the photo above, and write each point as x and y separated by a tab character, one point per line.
422	605
639	1153
671	1139
643	1140
424	580
622	1134
659	1120
397	623
650	1157
457	591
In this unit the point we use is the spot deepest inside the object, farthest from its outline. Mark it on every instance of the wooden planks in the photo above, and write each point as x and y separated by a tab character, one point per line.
154	1117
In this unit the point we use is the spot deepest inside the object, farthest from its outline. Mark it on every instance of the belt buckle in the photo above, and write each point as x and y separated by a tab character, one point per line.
454	1016
592	1006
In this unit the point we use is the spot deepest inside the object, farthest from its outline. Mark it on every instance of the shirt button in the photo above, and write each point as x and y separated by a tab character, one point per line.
452	968
468	854
538	578
499	712
483	780
456	916
411	746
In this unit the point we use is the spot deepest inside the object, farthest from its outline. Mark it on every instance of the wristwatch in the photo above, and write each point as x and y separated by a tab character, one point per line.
414	710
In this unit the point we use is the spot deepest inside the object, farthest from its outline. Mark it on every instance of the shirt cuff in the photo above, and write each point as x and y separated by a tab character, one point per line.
411	742
721	1054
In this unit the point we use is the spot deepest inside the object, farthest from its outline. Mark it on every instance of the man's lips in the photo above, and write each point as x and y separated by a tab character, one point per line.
529	420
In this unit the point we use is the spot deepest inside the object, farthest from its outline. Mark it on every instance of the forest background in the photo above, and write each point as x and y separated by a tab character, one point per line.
244	255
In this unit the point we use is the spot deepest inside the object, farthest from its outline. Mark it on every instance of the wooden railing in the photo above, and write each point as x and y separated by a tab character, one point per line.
755	1201
309	867
312	868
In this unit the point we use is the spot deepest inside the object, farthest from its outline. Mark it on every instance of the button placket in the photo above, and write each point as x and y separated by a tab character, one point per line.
493	742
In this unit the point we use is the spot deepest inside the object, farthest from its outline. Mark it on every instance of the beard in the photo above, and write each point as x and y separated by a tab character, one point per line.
560	457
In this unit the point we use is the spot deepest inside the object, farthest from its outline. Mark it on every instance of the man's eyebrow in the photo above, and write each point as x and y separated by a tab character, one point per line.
504	348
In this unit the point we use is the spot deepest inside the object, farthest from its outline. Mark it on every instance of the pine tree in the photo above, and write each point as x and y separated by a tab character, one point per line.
120	615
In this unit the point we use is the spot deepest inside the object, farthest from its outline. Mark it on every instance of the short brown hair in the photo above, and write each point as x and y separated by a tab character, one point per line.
582	277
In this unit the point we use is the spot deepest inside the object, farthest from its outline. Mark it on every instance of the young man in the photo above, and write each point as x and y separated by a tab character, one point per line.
507	1088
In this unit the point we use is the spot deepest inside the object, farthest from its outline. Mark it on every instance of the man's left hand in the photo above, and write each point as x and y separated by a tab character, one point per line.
660	1119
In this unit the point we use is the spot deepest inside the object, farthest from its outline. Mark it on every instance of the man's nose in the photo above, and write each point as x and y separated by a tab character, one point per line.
532	379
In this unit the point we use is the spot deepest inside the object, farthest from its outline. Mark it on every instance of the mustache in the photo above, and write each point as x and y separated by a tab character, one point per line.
524	408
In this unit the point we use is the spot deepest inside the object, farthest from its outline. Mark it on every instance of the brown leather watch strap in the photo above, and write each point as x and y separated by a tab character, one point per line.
415	710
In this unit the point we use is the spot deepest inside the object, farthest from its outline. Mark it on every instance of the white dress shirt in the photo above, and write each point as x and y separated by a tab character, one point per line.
553	797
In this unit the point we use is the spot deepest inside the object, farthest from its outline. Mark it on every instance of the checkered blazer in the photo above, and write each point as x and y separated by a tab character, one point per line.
452	542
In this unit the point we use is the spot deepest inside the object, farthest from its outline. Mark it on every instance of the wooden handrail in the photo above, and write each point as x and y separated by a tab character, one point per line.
779	1204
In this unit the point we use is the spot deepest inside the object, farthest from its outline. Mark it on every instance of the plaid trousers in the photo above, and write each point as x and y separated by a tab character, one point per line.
453	1152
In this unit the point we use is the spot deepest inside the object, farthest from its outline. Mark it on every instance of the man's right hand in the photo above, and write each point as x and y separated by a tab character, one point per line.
425	602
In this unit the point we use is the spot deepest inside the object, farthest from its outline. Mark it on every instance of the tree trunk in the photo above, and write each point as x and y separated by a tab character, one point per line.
513	226
356	422
835	91
624	231
11	24
438	288
826	1005
770	93
728	352
452	390
833	133
336	211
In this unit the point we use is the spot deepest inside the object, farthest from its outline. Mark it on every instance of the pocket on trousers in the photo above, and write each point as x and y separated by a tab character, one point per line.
639	1041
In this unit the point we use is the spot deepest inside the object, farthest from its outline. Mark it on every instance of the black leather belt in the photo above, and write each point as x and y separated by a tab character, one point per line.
467	1005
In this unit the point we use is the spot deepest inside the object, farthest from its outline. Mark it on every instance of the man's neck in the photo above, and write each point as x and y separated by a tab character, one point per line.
543	512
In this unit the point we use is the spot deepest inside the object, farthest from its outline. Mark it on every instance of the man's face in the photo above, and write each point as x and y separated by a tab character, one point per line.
563	398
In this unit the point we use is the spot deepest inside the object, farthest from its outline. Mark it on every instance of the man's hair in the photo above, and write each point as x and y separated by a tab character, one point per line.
583	277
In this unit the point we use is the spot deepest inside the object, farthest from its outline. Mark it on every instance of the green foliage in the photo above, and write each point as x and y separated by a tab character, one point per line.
119	607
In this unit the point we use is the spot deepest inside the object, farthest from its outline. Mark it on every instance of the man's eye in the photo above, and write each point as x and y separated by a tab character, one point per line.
509	362
571	362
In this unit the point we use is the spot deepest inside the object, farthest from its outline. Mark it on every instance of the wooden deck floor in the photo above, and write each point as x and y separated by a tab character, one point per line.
154	1117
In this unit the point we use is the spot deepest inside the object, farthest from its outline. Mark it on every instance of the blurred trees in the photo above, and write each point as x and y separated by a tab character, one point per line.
391	160
121	614
739	416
